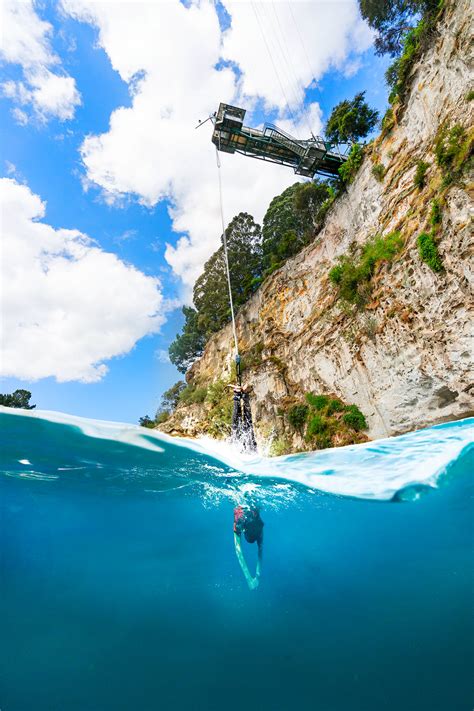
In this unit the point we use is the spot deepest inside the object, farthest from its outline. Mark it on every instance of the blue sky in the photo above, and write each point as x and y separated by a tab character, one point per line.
118	190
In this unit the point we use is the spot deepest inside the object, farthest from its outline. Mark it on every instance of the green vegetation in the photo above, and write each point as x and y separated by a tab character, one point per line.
325	421
410	42
352	275
436	214
146	422
453	150
349	169
291	221
189	344
392	19
351	120
354	418
388	120
428	250
192	394
470	95
19	398
378	171
219	417
421	170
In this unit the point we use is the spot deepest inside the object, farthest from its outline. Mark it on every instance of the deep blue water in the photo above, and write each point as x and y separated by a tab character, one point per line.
120	588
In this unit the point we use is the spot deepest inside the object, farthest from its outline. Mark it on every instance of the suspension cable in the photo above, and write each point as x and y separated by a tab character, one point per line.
273	63
226	260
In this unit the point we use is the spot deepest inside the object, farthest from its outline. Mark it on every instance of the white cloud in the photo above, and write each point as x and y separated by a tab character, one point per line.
169	54
66	305
25	40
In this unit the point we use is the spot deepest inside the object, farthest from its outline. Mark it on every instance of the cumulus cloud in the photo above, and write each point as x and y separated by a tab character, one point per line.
179	65
46	88
66	305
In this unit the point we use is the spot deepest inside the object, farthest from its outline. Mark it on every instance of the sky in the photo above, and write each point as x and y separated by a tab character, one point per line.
109	197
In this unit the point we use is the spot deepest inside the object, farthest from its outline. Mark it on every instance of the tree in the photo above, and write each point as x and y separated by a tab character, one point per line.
189	344
309	199
20	398
146	422
283	231
170	398
211	296
392	19
351	120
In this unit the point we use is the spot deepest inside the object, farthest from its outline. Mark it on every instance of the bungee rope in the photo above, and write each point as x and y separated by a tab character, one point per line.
227	269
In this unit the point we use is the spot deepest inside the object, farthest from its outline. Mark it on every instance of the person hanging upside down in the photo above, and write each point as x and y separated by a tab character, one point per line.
242	425
247	520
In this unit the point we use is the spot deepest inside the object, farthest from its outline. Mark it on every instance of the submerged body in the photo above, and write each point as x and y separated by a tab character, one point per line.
247	521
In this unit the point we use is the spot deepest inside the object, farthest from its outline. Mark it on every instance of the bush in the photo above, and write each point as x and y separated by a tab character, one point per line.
349	168
436	215
388	120
352	276
428	250
316	425
453	150
378	171
162	417
192	394
470	95
146	422
421	169
318	402
354	418
297	416
334	406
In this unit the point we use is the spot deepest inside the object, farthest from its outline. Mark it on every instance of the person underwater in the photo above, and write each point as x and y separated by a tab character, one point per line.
247	521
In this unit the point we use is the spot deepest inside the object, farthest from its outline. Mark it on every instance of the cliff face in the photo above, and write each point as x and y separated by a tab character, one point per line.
406	359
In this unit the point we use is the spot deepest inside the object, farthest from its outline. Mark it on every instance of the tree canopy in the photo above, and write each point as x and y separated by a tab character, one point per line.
19	398
392	19
351	120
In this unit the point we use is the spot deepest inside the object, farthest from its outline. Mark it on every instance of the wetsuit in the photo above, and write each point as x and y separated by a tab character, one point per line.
248	522
242	426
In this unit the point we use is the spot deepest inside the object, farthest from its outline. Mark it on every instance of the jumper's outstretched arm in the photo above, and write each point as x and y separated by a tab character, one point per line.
251	582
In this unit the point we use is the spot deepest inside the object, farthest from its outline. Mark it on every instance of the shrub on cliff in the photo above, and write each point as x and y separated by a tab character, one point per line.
352	275
421	169
325	421
453	150
349	168
428	250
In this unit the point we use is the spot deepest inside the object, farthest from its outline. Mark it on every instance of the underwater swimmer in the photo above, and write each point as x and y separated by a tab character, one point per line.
247	520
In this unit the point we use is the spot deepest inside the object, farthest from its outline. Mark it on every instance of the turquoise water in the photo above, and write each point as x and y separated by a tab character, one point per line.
120	588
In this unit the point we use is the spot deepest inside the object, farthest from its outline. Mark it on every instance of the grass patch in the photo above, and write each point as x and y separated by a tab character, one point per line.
421	170
378	171
453	151
352	276
428	250
436	214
